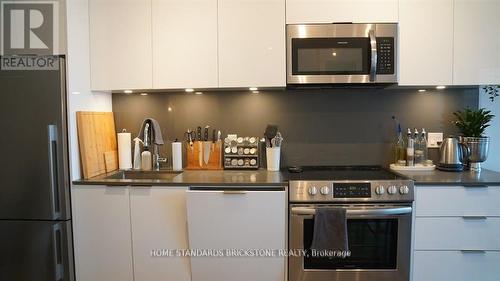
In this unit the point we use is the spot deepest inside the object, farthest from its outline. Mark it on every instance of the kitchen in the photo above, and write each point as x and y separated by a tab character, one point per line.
229	65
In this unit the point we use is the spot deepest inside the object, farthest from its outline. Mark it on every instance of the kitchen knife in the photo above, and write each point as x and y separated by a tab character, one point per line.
207	145
198	133
200	146
205	135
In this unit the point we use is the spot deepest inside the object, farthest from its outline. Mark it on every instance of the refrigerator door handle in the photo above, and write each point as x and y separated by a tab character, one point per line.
54	168
57	249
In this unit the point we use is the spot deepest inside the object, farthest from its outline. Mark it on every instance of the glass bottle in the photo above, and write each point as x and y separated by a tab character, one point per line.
418	149
423	146
410	148
399	147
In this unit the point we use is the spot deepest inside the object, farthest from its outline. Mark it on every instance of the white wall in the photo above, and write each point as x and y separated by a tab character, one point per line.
493	162
80	97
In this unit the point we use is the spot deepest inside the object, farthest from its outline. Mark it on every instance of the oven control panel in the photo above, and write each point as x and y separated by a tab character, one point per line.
351	191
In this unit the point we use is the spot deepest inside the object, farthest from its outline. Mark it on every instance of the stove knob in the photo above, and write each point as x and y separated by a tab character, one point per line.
313	190
324	190
380	190
404	189
392	189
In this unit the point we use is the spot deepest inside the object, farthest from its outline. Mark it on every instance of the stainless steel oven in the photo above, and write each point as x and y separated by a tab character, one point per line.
379	240
378	223
341	53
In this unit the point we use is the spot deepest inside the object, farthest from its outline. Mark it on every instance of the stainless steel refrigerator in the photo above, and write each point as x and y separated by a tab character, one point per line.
35	213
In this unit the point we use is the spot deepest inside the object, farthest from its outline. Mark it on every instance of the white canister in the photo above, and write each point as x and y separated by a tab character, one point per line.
273	158
177	156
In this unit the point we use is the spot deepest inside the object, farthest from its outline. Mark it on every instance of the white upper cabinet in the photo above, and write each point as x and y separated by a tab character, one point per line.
477	42
426	42
251	43
328	11
184	44
120	44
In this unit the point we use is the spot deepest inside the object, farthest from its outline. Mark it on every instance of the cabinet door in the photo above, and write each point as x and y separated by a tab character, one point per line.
120	44
185	44
251	43
101	233
426	38
235	221
459	201
158	218
477	43
328	11
456	266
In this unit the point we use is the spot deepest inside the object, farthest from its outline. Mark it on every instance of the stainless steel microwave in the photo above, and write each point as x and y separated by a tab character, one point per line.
341	53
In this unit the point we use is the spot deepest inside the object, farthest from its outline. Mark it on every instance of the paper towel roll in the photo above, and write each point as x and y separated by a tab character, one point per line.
124	151
177	156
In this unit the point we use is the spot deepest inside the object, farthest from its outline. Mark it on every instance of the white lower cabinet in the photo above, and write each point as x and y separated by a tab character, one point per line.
456	233
158	219
101	233
456	266
233	221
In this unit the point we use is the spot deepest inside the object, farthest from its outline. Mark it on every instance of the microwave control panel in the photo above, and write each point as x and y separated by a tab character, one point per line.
386	53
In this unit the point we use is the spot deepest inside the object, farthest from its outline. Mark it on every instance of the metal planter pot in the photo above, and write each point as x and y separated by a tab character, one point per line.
479	148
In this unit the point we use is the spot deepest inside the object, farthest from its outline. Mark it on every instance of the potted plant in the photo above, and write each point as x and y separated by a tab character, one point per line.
472	124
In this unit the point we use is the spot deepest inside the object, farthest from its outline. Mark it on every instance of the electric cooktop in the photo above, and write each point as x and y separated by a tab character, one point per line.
339	173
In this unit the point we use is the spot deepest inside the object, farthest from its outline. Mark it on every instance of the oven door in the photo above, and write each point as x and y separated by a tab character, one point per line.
379	241
341	53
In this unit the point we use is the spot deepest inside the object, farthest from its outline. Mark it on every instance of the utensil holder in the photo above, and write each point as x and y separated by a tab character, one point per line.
273	155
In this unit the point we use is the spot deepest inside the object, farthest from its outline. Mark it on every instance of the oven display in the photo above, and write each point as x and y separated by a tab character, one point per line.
352	190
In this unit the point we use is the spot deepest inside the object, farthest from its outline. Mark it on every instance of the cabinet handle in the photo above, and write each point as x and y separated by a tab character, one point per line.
474	217
473	251
234	192
475	186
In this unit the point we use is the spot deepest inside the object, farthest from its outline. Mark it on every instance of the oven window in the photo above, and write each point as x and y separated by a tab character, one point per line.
372	242
330	56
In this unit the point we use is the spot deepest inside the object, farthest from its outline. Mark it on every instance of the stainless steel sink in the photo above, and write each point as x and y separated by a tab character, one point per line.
144	175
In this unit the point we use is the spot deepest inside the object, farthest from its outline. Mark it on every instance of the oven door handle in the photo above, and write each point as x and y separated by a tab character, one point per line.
359	212
374	54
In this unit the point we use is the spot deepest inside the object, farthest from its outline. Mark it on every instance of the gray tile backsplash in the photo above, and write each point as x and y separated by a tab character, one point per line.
321	127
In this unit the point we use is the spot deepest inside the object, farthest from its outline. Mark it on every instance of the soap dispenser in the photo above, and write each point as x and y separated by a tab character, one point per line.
146	161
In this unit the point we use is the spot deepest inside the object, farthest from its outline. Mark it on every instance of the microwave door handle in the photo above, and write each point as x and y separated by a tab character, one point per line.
359	212
373	46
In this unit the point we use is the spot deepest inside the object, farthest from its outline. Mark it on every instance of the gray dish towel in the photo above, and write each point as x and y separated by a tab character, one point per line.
330	230
155	130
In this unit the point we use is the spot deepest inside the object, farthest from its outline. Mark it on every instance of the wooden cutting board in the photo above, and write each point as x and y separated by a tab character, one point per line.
97	141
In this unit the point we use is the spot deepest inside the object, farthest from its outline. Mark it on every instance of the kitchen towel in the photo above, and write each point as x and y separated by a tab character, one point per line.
157	138
330	230
124	150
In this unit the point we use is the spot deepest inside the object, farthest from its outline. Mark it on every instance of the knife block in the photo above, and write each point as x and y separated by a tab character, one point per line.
195	155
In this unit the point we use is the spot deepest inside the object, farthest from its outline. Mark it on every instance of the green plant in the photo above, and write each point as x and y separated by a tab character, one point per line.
472	123
493	91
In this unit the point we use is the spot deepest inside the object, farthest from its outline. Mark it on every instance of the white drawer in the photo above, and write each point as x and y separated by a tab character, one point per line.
456	266
457	233
457	201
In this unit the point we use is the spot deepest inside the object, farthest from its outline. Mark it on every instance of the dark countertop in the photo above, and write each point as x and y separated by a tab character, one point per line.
485	177
254	178
263	178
